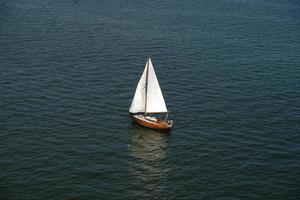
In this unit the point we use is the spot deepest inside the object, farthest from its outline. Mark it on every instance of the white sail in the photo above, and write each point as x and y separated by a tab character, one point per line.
138	102
155	100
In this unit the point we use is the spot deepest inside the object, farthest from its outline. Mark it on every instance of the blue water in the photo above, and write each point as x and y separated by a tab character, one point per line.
229	71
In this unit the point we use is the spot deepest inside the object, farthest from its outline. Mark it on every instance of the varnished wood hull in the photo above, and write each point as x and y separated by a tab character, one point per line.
153	124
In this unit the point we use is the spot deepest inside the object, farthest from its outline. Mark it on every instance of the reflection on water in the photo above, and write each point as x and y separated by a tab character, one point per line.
149	168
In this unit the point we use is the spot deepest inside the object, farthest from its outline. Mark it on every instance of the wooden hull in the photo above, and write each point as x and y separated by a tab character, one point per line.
152	122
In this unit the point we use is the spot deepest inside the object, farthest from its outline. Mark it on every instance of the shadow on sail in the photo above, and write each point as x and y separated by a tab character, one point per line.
149	151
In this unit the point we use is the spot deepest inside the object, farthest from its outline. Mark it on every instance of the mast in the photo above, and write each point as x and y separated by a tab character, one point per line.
146	87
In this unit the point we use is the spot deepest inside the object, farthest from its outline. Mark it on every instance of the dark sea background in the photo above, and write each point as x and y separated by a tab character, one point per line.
229	71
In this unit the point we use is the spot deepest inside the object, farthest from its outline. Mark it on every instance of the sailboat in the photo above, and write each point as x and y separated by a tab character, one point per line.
148	105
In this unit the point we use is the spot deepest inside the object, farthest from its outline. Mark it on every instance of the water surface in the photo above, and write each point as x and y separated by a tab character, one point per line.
229	71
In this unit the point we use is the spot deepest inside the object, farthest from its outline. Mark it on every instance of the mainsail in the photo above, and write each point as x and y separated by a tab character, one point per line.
154	101
138	102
